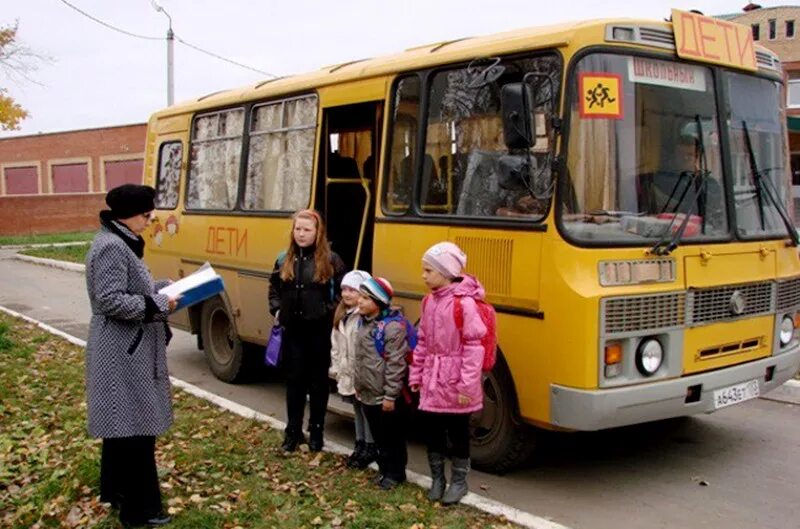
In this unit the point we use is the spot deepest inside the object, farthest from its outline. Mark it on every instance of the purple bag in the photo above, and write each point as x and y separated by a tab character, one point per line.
272	354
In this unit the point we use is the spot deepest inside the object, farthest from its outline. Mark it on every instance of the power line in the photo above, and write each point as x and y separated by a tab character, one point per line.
220	57
196	48
84	13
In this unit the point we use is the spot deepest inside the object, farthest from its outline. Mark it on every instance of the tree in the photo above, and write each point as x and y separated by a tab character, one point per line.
16	60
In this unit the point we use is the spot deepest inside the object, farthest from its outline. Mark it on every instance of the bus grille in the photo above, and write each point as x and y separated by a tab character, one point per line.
657	37
627	314
639	313
766	60
788	294
714	304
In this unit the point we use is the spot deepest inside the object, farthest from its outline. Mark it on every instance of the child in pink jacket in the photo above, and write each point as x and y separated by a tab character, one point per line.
446	367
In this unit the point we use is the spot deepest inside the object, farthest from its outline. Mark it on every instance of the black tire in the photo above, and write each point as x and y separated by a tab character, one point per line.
500	440
223	349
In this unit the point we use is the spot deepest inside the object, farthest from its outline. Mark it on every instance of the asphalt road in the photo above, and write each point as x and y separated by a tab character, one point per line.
738	468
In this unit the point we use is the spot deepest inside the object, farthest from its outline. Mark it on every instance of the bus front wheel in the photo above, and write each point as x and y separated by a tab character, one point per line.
223	349
500	440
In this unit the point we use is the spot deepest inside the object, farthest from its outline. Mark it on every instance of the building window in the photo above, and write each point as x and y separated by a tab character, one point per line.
793	93
120	172
169	175
756	31
772	29
216	151
790	29
21	180
70	178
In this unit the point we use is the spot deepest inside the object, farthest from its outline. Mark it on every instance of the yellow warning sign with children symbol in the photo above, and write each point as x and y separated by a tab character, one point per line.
601	95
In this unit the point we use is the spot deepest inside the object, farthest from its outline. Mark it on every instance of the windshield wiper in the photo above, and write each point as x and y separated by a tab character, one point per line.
664	247
764	187
699	179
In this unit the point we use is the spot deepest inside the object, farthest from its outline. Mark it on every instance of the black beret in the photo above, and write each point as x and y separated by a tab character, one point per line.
129	200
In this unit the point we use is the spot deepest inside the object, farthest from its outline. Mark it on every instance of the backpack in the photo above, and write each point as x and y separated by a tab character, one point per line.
411	338
331	284
489	319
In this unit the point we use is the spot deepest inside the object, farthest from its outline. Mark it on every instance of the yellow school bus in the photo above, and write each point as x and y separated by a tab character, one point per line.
620	188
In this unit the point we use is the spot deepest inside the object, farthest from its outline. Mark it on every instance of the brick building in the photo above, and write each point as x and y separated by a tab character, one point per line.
56	182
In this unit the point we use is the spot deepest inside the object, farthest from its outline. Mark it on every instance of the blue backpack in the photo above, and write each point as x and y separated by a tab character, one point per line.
411	338
380	333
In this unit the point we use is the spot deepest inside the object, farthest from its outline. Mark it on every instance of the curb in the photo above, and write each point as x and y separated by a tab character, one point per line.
43	245
54	263
487	505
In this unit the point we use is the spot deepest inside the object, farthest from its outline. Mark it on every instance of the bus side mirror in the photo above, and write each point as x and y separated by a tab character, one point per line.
515	106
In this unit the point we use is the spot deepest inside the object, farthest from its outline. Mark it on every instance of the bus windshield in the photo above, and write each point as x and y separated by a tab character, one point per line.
643	153
758	155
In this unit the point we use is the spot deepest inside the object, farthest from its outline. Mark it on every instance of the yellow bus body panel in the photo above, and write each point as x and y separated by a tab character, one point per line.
727	334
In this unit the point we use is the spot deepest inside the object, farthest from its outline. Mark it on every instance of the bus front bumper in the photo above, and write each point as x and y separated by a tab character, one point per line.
578	409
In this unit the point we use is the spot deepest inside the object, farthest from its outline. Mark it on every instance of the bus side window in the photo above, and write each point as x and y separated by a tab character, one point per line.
403	155
216	149
281	153
464	133
168	179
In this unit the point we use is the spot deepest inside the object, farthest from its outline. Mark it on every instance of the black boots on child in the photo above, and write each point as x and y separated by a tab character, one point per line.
364	454
291	440
458	479
315	441
294	438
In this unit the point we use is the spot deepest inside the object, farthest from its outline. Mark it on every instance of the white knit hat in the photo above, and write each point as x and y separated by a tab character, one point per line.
355	278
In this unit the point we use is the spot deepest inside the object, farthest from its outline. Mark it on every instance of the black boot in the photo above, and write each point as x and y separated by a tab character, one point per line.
368	456
458	482
291	440
436	462
315	441
352	460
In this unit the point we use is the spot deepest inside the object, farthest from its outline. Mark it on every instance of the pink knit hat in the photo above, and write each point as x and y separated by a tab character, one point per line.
446	258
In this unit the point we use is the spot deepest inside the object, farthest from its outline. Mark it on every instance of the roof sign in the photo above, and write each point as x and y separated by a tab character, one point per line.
713	40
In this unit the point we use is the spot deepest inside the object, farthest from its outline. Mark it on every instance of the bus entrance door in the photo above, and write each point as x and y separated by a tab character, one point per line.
347	175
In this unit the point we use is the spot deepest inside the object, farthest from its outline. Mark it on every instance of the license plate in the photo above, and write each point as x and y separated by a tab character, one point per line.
735	394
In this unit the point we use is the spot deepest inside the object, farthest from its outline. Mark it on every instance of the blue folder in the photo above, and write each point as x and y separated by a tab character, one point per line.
200	293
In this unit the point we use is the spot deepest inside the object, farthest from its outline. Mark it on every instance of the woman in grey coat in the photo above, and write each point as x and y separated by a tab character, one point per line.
127	384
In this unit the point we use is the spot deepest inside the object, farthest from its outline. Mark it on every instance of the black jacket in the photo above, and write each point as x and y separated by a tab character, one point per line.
301	299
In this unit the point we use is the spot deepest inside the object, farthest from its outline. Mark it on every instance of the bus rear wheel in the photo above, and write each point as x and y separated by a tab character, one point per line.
223	349
500	440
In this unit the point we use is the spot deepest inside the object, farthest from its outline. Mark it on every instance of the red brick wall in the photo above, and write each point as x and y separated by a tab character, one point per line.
23	215
90	143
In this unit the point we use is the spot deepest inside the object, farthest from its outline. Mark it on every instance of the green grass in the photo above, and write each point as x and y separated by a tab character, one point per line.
47	239
73	254
217	470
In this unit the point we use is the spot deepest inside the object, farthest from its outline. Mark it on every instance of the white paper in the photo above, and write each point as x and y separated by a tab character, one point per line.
204	274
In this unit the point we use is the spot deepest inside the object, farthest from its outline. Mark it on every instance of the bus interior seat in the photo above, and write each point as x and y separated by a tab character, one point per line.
369	168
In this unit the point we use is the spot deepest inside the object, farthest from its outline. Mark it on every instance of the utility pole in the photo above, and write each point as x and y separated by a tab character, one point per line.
170	55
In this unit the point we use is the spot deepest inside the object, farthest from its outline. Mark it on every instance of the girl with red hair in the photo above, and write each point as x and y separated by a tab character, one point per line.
303	293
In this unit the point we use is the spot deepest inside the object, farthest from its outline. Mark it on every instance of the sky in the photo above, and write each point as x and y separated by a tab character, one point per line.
96	77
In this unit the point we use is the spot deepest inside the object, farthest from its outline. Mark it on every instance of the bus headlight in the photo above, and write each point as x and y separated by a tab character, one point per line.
649	356
786	331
